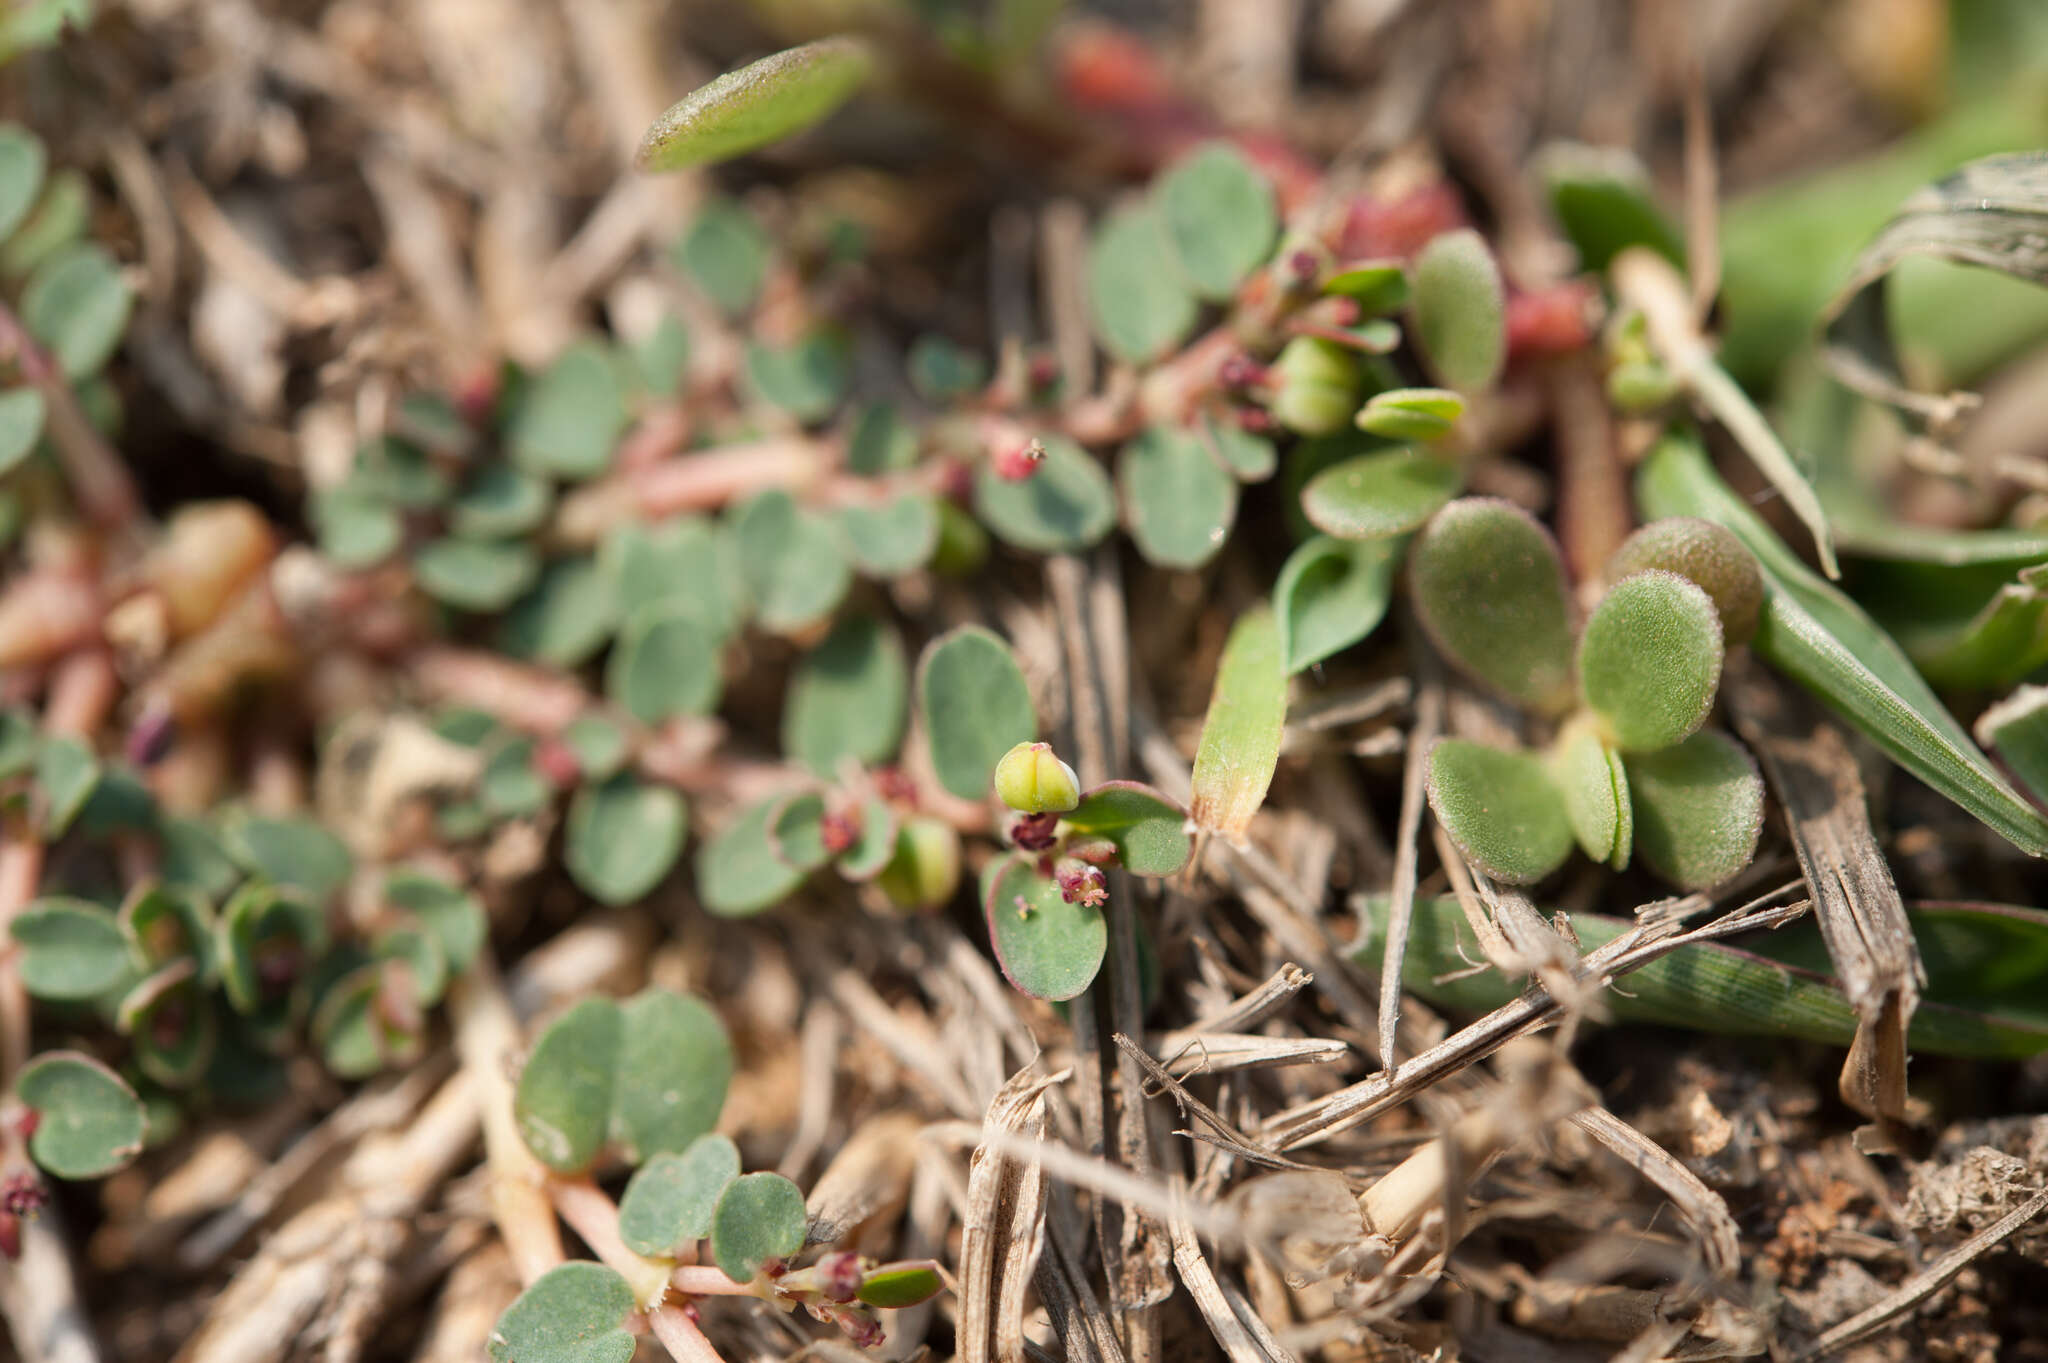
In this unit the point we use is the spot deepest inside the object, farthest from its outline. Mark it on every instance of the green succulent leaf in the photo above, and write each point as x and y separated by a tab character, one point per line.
1240	744
566	617
1411	413
848	697
21	426
943	371
23	162
889	539
726	253
621	838
687	563
1377	495
1141	304
355	527
892	1287
1459	311
923	872
759	1218
70	949
881	442
738	873
89	1122
1178	501
290	851
796	831
172	1024
1148	830
1250	458
666	664
1219	212
1489	586
1048	948
1604	203
670	1200
790	559
1820	638
563	1102
600	745
976	706
67	773
450	914
1066	505
266	938
498	502
806	378
1594	783
760	103
77	303
1501	808
1331	594
1705	554
1650	660
511	786
1377	286
574	1313
568	421
482	576
1698	809
875	848
166	922
675	1065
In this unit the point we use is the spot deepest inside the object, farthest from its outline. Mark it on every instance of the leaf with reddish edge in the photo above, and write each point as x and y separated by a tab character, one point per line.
1148	831
1048	948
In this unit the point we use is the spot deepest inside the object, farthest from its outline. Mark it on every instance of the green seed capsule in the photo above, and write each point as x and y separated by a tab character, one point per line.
925	871
1031	779
1315	386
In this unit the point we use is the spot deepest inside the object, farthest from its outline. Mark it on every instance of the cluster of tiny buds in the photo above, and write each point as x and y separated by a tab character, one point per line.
839	1275
1034	832
23	1194
1240	370
1081	883
838	831
894	785
1015	463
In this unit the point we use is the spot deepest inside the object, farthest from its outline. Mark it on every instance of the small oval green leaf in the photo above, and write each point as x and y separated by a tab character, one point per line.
666	664
563	1102
77	304
1387	492
1178	501
848	697
668	1203
1501	808
574	1313
1650	660
1459	311
1489	586
622	837
568	421
1066	505
1140	302
1698	809
759	1218
760	103
70	949
675	1064
1048	948
1149	831
90	1123
475	575
976	707
1331	594
738	873
1220	213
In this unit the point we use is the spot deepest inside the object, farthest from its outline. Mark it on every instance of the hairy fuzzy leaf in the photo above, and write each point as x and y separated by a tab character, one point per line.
574	1313
1240	744
760	1218
1650	660
1705	554
1489	586
760	103
1411	413
1501	808
1459	311
1590	777
668	1203
1698	809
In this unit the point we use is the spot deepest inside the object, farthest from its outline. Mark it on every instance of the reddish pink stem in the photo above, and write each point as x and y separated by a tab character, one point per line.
99	480
531	699
705	1281
680	1336
21	867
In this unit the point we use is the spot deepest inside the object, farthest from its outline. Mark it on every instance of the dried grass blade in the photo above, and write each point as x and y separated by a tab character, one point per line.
1703	1209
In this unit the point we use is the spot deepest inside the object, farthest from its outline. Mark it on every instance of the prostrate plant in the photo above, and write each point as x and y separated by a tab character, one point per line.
642	1083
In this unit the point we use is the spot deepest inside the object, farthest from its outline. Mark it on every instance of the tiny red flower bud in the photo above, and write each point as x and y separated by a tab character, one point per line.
25	1125
839	1275
1081	883
1240	371
1044	370
1015	463
1034	832
893	784
557	763
22	1194
838	831
1303	265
